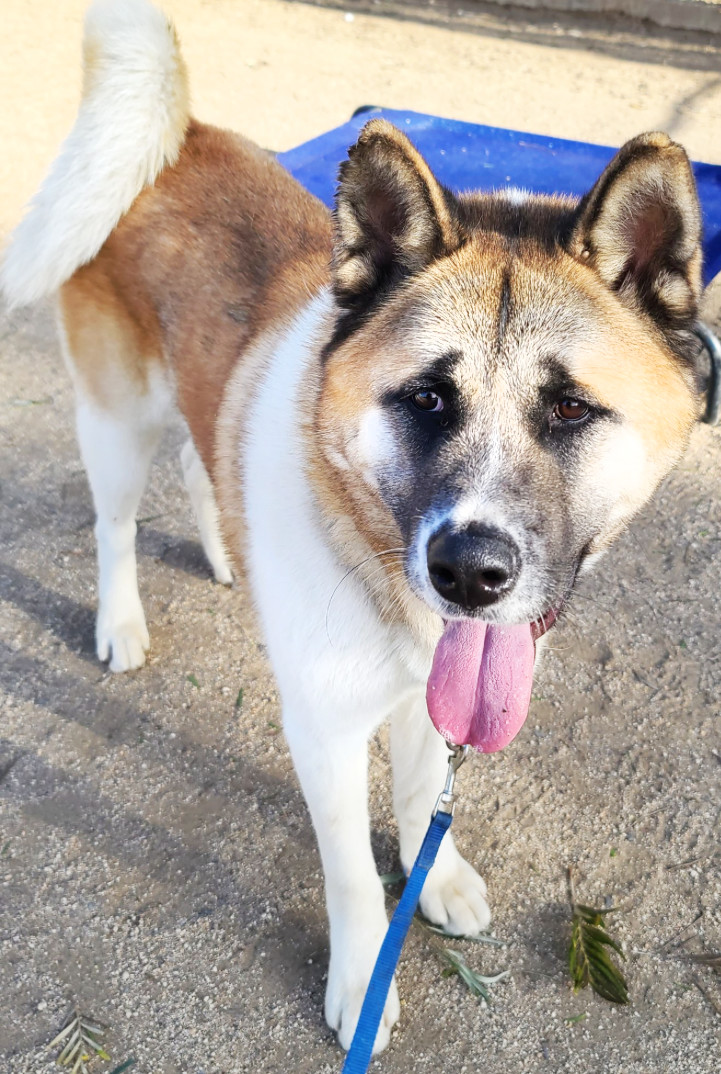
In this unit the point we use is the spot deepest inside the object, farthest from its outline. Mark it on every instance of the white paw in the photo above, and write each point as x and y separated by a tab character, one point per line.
221	571
124	644
454	897
347	984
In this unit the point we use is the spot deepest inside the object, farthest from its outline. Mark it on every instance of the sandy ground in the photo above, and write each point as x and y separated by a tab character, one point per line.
157	866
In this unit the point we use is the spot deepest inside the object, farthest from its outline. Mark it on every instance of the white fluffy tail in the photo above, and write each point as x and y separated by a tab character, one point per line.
132	121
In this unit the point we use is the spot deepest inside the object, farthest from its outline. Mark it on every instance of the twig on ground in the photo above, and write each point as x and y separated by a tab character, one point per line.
677	935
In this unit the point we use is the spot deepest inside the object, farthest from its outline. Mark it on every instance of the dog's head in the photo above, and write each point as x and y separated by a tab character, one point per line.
508	381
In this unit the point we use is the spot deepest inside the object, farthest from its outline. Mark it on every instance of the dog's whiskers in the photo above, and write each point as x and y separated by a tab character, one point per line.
352	570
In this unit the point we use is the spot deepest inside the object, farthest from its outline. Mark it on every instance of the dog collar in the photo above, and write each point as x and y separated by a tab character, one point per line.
711	342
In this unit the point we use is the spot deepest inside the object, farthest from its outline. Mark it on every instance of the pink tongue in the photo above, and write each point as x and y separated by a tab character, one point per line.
480	683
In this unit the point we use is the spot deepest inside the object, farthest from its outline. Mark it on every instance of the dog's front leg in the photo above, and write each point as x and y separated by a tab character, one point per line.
454	895
333	771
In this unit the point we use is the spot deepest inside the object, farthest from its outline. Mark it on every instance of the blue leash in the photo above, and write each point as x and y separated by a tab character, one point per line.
359	1055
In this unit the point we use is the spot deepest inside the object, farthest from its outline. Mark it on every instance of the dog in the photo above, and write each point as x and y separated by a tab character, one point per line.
413	422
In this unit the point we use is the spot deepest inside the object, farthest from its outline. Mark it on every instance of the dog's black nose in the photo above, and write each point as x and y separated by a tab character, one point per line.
473	567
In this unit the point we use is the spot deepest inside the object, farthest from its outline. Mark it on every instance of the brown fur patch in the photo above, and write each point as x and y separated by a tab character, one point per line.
205	261
629	370
111	344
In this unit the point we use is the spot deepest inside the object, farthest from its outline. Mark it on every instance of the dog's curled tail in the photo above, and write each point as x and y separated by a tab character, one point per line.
131	123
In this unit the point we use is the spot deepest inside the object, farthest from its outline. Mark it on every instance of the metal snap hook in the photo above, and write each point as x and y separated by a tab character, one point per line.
446	799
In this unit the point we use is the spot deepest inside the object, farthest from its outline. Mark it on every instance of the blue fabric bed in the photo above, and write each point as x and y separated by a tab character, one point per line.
470	156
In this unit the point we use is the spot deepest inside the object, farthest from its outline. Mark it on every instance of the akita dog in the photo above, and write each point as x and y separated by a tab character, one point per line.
419	419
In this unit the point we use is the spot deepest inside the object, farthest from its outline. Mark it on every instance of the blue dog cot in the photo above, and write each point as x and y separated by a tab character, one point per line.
468	156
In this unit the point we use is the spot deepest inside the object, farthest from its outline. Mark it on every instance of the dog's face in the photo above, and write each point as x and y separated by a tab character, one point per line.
508	380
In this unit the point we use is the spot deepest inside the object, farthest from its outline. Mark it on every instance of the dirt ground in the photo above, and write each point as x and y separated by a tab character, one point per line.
157	866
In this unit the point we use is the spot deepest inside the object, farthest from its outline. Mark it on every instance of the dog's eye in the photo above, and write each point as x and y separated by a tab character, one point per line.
571	410
427	401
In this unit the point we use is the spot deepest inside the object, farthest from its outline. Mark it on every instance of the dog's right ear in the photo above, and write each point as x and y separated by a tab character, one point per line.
392	216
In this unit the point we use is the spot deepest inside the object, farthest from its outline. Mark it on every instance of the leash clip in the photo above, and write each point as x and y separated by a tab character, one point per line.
446	799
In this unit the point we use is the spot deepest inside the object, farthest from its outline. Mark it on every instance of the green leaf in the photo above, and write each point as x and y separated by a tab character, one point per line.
576	1019
124	1066
80	1038
476	983
589	957
63	1033
90	1028
70	1049
239	699
614	852
193	681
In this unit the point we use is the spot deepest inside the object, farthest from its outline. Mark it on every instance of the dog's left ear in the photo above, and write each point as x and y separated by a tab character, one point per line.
392	217
640	229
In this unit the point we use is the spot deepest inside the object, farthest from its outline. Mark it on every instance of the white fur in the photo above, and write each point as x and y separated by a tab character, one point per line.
202	498
620	462
516	195
341	670
117	448
340	673
131	123
374	445
117	452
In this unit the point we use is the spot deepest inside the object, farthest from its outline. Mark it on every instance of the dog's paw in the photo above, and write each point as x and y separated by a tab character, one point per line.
347	984
221	570
123	644
454	897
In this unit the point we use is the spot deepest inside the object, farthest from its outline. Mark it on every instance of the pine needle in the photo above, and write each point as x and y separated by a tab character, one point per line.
711	960
80	1039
